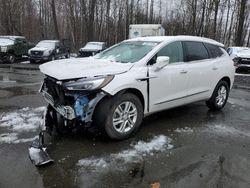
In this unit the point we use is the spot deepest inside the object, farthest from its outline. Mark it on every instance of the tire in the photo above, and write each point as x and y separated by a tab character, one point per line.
67	56
114	121
219	97
32	61
52	58
11	58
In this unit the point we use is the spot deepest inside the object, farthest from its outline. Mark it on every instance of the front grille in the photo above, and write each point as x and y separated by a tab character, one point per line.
55	90
36	53
86	54
244	61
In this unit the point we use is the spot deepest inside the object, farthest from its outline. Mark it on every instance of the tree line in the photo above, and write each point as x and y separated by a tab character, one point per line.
80	21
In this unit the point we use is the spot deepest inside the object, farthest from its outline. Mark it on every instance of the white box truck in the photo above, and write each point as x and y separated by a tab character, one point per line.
144	30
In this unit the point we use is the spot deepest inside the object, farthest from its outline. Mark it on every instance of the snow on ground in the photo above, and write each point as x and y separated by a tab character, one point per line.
18	122
184	130
135	153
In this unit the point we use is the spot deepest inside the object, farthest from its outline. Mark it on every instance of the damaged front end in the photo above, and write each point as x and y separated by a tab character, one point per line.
75	99
71	104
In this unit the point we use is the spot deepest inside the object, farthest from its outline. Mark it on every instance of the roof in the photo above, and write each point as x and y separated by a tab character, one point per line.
52	41
145	26
177	38
11	37
100	43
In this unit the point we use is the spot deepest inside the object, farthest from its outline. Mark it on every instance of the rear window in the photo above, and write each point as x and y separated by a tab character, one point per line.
195	51
214	51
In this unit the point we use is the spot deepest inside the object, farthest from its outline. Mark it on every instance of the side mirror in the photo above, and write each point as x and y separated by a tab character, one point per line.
161	62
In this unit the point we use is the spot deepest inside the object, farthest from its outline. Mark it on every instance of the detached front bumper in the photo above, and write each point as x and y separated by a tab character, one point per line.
81	106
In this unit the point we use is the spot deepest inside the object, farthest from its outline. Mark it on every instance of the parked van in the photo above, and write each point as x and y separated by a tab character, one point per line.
145	30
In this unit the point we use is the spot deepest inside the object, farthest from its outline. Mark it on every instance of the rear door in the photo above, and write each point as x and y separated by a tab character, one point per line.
168	86
201	70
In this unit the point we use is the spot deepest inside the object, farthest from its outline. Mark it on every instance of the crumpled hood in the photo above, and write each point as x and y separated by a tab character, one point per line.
37	48
82	67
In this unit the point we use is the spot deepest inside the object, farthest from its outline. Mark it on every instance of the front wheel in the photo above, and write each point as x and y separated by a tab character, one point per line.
219	97
11	58
53	58
119	117
67	55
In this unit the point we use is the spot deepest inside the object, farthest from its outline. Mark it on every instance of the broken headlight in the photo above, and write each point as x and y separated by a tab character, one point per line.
88	84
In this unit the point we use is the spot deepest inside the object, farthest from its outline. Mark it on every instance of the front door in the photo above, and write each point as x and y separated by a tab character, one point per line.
168	86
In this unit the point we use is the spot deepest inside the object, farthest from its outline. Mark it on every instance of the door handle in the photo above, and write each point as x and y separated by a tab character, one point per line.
183	72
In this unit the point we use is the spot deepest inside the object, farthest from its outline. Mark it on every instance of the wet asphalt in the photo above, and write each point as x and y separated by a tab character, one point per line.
199	148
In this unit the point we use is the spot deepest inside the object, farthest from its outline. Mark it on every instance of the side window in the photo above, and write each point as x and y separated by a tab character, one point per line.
214	51
60	44
195	51
24	41
57	45
174	51
18	41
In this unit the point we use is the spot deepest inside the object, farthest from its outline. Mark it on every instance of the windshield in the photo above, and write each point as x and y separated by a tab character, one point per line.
243	49
127	52
6	41
44	44
93	46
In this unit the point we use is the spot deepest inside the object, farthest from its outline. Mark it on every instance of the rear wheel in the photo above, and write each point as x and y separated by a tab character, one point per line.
219	97
119	117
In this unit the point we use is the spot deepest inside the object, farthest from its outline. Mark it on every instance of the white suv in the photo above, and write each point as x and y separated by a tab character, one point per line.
115	89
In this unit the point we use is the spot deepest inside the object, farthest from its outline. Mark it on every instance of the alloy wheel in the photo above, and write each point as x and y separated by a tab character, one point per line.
124	117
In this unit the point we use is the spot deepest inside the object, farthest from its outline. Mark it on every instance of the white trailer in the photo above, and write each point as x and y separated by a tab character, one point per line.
144	30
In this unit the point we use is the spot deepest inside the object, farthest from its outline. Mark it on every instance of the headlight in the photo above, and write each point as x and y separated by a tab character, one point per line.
47	52
29	52
88	84
4	49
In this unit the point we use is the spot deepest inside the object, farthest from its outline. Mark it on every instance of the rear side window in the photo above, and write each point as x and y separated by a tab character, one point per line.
214	51
195	51
174	51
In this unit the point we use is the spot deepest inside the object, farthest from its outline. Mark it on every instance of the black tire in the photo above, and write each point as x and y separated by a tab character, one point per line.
103	116
67	56
53	57
32	61
11	58
212	103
